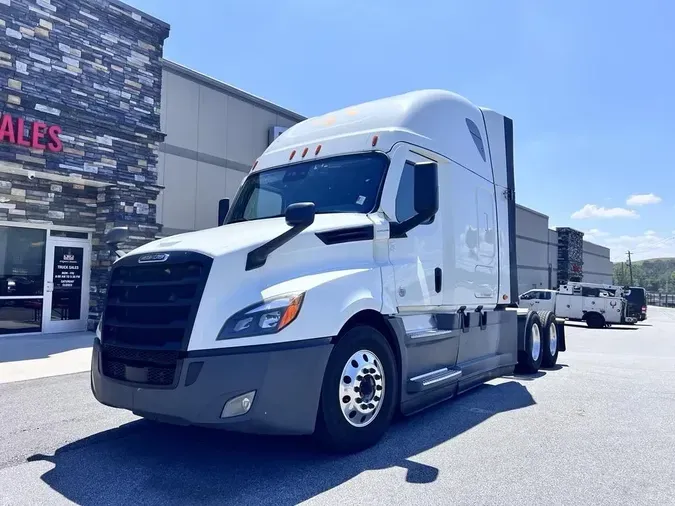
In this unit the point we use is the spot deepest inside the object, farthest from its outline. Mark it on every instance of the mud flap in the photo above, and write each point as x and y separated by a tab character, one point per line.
560	327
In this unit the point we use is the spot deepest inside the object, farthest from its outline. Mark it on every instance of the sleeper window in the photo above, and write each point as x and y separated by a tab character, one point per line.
477	139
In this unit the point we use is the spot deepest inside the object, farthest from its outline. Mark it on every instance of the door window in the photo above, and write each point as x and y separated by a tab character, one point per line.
405	197
67	285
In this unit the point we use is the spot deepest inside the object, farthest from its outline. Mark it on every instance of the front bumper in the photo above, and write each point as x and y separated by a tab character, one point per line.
286	378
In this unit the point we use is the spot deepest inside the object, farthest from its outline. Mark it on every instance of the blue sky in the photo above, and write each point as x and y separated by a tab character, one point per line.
590	86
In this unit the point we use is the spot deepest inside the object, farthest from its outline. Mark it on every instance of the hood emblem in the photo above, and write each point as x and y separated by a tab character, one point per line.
153	258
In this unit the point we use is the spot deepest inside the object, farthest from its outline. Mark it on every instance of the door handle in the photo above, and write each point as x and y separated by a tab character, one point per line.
50	286
438	279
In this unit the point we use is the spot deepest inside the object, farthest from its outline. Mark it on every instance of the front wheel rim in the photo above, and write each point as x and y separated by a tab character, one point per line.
553	343
536	342
361	388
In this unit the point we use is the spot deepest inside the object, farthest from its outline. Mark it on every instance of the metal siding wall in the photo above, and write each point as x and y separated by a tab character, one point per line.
597	265
212	140
532	249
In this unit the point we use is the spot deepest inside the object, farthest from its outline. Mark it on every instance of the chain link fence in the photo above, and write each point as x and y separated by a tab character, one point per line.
661	299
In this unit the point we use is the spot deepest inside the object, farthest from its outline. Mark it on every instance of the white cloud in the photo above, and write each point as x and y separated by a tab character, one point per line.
642	199
594	235
647	245
593	211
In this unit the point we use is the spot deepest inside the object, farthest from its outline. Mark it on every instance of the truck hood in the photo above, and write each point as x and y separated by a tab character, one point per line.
226	239
302	264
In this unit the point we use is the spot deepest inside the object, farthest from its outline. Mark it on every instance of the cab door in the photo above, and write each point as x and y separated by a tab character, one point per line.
416	256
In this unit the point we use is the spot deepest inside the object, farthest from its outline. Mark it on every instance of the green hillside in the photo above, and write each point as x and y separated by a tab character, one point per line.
654	274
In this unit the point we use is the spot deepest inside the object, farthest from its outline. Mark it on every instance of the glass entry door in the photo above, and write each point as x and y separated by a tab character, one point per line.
66	290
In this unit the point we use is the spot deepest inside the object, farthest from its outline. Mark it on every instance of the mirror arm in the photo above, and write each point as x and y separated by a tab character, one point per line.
256	258
398	230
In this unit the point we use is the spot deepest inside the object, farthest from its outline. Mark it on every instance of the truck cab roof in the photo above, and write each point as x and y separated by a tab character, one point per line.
439	121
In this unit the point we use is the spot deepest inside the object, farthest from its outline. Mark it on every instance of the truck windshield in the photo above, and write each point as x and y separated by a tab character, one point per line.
343	184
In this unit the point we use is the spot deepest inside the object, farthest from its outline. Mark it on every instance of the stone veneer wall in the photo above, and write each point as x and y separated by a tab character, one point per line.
92	67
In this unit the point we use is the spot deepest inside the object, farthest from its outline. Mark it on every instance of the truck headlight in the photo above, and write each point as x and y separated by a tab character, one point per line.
267	317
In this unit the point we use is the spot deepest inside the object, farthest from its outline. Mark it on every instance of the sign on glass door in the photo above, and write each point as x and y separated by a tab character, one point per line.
67	288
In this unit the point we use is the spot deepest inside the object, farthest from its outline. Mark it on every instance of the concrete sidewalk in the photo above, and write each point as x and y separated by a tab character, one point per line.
30	357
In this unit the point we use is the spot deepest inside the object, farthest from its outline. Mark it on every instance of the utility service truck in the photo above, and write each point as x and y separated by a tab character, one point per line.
366	267
596	304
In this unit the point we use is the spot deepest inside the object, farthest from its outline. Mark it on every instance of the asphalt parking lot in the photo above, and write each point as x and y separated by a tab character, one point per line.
600	429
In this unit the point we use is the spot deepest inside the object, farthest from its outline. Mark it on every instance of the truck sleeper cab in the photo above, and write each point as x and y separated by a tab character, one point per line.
366	266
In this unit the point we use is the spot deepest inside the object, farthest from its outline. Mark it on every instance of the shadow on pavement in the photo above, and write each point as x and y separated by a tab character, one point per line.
528	377
581	325
146	463
14	348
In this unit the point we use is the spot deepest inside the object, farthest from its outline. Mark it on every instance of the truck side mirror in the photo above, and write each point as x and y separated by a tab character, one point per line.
426	189
223	208
425	196
116	235
300	214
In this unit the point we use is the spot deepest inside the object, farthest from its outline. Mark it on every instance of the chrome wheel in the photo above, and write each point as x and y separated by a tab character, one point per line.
536	342
361	388
553	339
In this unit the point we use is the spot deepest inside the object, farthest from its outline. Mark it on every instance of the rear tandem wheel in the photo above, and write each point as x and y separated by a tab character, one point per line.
549	338
530	359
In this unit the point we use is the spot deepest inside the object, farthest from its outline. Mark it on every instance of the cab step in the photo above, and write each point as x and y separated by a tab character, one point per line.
433	379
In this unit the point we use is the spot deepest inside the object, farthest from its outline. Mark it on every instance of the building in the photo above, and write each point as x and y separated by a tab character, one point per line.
539	261
98	130
214	133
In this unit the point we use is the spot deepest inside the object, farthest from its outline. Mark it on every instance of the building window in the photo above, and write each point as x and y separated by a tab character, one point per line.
477	139
22	274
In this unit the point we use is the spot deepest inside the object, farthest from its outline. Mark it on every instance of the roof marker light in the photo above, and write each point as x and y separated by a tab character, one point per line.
292	155
304	152
375	139
318	148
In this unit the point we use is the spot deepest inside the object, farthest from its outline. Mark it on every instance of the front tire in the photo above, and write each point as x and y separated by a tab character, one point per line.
529	359
360	392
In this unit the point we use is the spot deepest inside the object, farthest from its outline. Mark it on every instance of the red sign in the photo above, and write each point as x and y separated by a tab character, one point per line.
41	135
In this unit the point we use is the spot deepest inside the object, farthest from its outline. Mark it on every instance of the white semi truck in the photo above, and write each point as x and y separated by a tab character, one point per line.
366	267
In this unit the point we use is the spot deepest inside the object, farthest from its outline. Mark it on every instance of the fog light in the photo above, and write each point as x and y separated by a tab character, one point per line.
239	405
